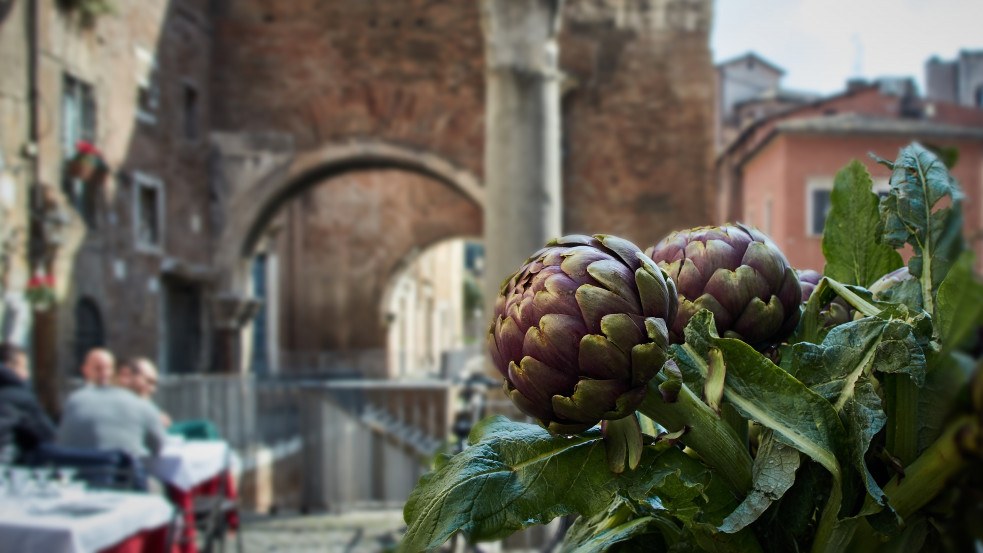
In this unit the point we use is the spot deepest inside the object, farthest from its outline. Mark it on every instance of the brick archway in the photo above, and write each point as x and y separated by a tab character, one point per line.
251	207
275	176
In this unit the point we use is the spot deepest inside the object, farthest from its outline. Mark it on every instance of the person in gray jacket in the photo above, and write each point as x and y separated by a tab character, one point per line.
106	417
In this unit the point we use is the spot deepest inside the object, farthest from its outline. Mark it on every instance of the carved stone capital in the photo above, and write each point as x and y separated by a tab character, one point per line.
520	35
233	311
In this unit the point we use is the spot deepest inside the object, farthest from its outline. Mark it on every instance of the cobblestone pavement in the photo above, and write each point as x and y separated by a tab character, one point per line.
356	532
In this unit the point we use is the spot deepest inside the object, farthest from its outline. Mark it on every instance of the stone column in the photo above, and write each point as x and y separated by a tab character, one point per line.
523	204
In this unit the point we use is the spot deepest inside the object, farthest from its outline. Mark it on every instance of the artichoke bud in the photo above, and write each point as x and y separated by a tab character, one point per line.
580	329
832	314
737	273
881	288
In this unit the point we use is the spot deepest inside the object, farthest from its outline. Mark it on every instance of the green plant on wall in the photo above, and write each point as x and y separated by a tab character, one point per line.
88	10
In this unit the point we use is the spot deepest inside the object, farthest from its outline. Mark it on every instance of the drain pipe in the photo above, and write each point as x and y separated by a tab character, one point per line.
47	383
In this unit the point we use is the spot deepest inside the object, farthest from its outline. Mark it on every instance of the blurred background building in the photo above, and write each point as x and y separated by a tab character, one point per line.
288	185
779	152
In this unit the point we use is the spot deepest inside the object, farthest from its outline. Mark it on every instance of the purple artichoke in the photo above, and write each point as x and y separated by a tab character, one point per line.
889	281
737	273
580	330
836	312
808	280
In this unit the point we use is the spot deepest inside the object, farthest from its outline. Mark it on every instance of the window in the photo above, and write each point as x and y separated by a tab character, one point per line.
148	90
260	364
766	217
78	124
182	333
148	212
818	202
88	329
190	112
78	115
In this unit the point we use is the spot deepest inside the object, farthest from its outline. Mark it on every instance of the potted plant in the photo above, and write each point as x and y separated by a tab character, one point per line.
40	291
88	164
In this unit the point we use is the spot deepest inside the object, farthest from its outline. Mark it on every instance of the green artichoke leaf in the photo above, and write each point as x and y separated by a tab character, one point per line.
856	349
765	393
960	303
774	473
617	524
515	475
911	214
842	369
853	236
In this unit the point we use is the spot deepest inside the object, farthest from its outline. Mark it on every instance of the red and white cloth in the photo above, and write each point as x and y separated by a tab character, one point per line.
96	521
194	468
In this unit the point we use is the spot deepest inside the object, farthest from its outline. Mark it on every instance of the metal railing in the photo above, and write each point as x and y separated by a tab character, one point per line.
321	444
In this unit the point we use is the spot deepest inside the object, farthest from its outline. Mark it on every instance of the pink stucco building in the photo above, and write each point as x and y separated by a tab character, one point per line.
777	175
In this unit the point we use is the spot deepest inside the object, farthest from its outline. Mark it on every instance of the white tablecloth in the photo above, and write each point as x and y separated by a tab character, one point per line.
187	464
82	524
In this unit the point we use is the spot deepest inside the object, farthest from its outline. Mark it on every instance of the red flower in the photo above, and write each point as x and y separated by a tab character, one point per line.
84	147
41	281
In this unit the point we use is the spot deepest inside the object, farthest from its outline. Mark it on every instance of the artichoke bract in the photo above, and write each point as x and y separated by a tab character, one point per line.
580	330
889	281
834	313
737	273
808	280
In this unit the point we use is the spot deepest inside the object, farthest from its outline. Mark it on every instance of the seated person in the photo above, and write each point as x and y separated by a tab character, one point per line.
105	417
23	423
140	375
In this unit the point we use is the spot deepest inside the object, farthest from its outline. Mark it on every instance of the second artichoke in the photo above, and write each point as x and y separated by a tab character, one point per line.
737	273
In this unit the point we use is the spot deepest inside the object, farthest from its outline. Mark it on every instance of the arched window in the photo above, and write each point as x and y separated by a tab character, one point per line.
88	328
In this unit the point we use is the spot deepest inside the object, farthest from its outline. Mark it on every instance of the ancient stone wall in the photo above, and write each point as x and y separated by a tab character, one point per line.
637	116
405	72
344	243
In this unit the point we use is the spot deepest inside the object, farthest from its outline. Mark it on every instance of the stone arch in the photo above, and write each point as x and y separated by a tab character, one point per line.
258	183
400	269
250	209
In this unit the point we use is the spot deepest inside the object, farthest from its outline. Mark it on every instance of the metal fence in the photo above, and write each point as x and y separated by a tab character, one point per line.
320	444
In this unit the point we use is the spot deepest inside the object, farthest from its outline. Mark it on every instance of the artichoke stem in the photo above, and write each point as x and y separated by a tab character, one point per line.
902	432
710	436
930	473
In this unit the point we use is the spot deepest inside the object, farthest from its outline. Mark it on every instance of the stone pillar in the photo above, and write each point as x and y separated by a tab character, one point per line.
523	207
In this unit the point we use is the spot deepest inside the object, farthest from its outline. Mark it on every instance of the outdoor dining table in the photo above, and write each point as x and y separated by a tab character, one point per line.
189	468
86	522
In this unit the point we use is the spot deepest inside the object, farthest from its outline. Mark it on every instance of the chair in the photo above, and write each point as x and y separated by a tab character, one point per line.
210	507
115	469
211	517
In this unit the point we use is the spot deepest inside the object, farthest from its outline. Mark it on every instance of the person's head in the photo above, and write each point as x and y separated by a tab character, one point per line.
137	374
144	377
15	358
98	367
126	372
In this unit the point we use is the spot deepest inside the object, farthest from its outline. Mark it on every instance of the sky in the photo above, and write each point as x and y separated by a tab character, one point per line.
822	43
